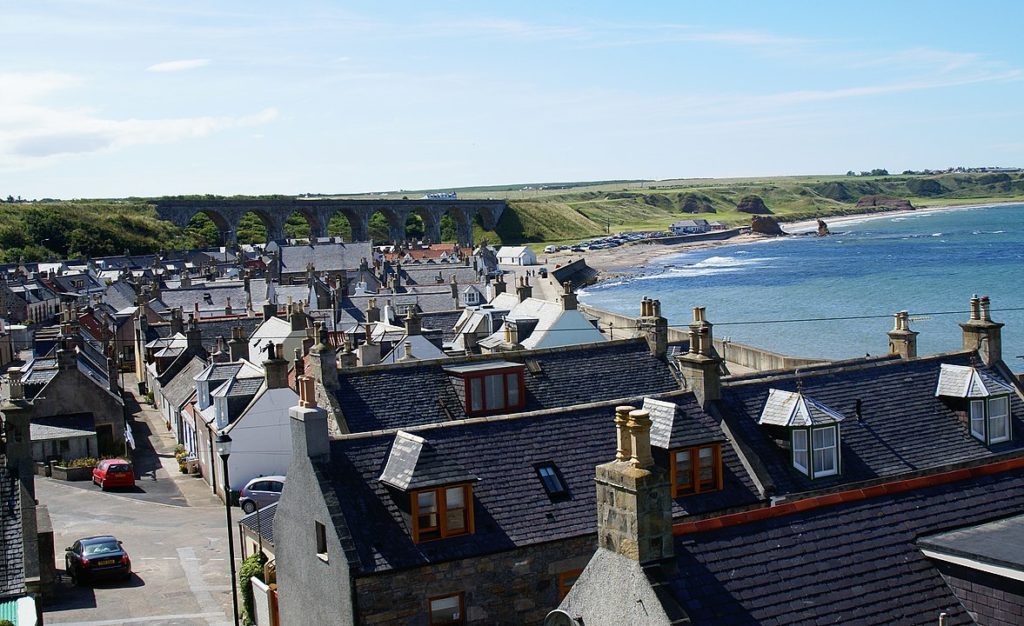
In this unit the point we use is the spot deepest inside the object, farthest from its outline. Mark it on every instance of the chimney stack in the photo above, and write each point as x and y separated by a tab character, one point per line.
309	424
372	312
227	306
523	289
299	364
193	336
498	286
569	301
15	388
699	366
323	360
238	347
981	333
221	353
413	325
275	368
902	340
347	359
634	498
177	323
653	327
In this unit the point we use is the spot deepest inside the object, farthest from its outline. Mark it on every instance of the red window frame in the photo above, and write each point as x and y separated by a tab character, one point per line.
506	405
696	485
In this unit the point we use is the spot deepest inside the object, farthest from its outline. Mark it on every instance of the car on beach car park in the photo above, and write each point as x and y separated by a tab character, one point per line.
259	492
93	558
113	473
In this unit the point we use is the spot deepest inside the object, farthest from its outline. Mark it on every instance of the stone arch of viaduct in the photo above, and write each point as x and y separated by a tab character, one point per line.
226	214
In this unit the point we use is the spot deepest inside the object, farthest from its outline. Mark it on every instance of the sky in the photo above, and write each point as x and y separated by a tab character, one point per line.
109	98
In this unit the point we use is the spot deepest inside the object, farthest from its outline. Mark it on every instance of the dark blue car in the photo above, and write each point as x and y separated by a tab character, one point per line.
95	558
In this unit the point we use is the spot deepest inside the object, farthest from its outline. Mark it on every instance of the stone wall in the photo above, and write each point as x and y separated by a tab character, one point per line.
515	587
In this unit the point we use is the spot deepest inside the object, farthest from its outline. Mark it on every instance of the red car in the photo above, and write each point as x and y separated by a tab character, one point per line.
113	473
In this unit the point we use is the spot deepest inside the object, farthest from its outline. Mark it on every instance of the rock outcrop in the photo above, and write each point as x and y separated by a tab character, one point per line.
765	225
752	204
823	228
884	202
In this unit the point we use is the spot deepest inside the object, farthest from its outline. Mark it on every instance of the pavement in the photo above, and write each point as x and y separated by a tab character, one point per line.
172	526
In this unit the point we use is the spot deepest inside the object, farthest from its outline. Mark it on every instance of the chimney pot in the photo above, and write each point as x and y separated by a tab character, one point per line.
639	425
623	445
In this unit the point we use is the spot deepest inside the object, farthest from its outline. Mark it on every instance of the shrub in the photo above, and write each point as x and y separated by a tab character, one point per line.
85	461
251	566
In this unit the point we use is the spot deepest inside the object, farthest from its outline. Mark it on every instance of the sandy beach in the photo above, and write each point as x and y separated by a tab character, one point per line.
613	261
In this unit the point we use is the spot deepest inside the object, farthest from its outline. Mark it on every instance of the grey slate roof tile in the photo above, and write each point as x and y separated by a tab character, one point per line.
511	506
850	563
12	556
400	396
261	522
904	427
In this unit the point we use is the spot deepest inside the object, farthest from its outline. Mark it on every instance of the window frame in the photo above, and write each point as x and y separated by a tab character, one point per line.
696	486
810	450
476	402
320	533
559	494
441	502
461	595
979	412
566	580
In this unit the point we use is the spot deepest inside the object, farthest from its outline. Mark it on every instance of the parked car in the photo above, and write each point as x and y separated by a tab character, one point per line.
113	473
93	558
550	249
259	492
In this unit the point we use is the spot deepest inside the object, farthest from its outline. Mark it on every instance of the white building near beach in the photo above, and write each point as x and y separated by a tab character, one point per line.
516	255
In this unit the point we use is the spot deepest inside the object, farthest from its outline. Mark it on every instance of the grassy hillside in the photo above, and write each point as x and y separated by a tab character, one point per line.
538	213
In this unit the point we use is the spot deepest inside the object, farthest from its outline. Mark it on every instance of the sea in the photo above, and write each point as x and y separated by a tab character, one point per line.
833	297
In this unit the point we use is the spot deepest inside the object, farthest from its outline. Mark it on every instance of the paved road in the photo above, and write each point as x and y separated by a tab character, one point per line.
171	526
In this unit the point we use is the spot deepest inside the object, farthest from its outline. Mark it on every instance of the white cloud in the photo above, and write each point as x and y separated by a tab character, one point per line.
178	66
34	133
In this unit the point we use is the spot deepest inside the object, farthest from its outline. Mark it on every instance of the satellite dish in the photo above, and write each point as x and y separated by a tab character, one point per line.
558	617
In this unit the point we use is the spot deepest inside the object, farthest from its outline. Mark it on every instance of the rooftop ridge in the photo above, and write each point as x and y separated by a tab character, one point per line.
846	365
1011	461
510	416
472	358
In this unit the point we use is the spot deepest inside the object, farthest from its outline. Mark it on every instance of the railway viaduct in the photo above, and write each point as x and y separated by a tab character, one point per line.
226	213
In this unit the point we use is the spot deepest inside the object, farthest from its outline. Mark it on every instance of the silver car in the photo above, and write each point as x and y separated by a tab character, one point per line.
259	492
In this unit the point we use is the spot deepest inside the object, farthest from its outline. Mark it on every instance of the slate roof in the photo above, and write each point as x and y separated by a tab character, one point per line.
999	543
261	522
853	563
512	507
443	321
788	408
903	426
324	256
404	395
62	426
184	385
187	298
674	426
12	556
960	381
414	464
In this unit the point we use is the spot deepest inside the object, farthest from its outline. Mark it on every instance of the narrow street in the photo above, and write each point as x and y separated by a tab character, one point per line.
172	527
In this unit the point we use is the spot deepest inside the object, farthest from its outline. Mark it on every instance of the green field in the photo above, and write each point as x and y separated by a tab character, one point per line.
537	216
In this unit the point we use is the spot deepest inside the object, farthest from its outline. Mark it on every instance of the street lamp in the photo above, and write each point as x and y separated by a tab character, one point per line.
224	450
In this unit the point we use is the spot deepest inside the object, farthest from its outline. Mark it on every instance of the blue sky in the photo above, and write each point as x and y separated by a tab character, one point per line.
106	98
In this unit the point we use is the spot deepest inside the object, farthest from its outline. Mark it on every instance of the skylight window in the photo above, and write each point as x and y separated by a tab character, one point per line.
552	481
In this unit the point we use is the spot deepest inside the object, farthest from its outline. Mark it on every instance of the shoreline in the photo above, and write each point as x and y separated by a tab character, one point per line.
633	259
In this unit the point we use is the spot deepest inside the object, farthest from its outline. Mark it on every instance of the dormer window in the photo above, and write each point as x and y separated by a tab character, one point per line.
990	419
490	387
696	470
812	428
988	401
434	492
441	512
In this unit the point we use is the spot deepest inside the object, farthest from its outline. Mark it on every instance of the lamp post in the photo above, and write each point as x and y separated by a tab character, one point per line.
224	450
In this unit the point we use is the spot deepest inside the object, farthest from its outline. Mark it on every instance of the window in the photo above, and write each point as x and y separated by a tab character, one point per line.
818	455
447	610
566	580
442	512
552	481
824	446
494	392
696	470
990	419
800	450
321	541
